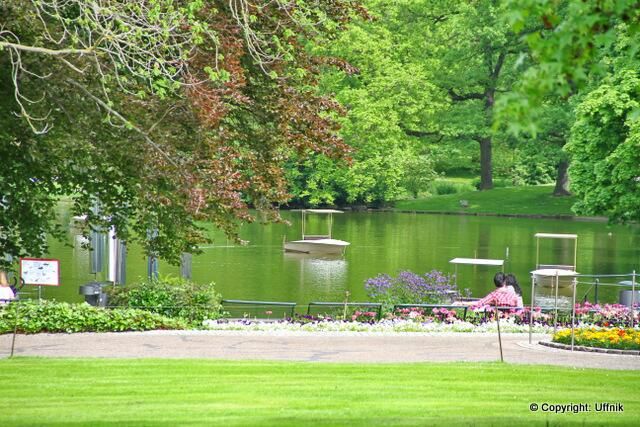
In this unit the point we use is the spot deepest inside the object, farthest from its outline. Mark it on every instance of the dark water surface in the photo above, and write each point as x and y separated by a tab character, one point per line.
381	242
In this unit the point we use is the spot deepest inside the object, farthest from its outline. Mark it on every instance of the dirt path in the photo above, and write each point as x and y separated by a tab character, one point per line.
316	347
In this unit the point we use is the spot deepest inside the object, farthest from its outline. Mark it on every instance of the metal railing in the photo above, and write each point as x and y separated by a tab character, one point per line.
291	306
344	305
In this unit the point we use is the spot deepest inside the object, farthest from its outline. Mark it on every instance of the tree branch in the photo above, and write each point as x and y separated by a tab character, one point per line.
46	51
422	134
455	97
126	121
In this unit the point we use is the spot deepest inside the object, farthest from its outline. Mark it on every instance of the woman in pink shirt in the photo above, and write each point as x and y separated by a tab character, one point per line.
6	294
502	296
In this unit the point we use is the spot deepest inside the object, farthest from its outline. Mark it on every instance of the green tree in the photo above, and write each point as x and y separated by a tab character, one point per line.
586	53
384	89
471	56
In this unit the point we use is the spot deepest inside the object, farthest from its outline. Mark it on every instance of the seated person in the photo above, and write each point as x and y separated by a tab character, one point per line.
6	294
512	284
502	296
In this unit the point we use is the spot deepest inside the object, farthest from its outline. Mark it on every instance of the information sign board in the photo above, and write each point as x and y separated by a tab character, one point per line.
40	271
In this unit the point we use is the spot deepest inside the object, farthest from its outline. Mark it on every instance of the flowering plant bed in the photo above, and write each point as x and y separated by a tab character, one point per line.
383	326
610	338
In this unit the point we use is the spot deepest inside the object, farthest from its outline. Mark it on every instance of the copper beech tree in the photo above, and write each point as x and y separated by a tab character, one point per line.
160	112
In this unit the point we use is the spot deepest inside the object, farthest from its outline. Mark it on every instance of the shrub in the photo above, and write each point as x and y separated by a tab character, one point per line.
53	316
497	183
171	297
449	187
410	288
443	187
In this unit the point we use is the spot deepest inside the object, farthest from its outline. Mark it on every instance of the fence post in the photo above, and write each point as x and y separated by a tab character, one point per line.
596	295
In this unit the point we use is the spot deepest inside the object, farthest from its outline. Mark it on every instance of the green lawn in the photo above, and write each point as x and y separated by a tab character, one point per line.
224	393
532	200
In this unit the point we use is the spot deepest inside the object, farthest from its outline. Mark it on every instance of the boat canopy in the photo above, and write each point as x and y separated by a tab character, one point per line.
322	211
552	272
477	261
555	236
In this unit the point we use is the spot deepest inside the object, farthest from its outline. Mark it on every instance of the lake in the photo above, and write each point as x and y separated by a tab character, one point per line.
381	242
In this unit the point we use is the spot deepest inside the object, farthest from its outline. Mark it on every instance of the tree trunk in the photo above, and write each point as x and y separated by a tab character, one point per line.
486	169
562	179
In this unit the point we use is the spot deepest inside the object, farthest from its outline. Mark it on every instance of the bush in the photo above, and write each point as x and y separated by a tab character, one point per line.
171	297
410	288
443	187
497	183
53	316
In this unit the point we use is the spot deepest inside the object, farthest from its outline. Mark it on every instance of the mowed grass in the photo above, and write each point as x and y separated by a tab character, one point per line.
225	393
531	200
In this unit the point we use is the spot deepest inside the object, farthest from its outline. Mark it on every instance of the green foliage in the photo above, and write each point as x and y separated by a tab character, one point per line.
497	183
442	187
172	297
52	316
567	41
605	146
164	113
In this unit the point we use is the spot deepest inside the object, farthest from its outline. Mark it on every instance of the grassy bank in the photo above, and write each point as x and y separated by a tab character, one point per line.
533	200
205	392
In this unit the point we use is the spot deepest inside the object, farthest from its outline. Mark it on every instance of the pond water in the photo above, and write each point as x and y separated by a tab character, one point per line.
381	242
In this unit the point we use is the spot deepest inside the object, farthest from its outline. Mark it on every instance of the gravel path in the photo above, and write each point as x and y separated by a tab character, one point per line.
312	347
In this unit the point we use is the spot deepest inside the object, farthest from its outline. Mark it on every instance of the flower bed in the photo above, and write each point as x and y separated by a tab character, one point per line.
383	326
610	338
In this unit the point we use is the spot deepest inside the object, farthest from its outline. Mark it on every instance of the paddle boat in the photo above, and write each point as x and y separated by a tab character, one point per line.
317	243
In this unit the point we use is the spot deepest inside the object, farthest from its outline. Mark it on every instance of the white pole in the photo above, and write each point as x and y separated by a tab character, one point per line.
112	245
633	297
573	313
533	287
555	317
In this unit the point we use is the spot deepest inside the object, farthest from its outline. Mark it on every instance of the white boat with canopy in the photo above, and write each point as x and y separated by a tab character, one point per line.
317	243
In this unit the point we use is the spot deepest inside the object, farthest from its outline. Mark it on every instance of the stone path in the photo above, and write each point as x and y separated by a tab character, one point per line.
313	347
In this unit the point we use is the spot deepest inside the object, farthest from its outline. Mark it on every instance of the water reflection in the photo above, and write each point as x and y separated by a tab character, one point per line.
324	273
382	242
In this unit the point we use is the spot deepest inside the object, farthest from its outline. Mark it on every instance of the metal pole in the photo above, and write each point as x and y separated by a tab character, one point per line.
533	286
555	317
186	265
596	292
573	313
499	335
15	329
633	297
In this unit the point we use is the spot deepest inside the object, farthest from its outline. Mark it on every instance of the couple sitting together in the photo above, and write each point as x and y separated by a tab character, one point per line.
506	294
